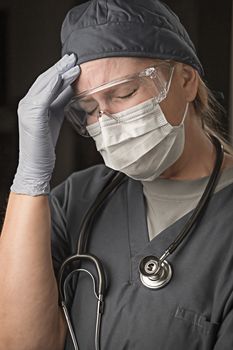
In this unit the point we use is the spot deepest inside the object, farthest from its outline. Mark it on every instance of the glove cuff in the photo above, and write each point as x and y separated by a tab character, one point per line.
30	187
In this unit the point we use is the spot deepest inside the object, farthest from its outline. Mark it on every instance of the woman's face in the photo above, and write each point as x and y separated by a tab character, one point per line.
102	71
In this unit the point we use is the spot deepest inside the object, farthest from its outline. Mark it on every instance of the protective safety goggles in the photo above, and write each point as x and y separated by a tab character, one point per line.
118	95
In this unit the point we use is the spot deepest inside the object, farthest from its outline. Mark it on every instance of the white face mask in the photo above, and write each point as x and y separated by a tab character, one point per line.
139	141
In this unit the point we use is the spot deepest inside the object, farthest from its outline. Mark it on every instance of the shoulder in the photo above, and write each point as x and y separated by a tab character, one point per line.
228	160
222	204
82	185
219	221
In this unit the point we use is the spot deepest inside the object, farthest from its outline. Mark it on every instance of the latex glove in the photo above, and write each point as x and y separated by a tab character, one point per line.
40	116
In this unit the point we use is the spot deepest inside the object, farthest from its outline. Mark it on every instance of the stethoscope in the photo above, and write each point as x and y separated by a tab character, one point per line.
154	272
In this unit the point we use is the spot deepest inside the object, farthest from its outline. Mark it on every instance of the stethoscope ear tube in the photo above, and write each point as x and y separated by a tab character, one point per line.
98	292
115	180
69	324
67	266
101	286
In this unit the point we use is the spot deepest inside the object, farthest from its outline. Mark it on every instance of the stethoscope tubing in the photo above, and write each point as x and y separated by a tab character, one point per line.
79	257
98	291
203	202
114	182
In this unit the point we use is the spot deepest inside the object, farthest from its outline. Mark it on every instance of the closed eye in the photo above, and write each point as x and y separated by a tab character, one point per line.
128	95
91	112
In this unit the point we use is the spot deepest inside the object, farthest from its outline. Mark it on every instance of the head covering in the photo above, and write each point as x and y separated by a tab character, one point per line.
132	28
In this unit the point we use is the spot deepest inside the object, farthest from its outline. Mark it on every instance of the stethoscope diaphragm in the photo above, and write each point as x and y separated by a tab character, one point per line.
154	273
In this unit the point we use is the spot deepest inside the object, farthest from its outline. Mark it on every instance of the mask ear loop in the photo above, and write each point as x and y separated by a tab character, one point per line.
185	113
184	116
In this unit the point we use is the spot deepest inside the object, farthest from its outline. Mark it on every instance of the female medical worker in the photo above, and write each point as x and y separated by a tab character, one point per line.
141	97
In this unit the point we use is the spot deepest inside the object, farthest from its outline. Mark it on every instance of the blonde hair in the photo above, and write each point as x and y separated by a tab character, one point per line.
211	113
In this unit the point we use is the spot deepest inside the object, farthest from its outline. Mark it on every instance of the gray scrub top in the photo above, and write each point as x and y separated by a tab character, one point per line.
194	311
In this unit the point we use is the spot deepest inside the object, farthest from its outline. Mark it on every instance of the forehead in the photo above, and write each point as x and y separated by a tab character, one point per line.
97	72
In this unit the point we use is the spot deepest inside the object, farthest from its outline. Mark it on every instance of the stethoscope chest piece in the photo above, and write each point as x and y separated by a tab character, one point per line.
154	274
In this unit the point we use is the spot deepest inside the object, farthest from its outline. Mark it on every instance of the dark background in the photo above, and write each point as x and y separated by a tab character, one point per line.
30	43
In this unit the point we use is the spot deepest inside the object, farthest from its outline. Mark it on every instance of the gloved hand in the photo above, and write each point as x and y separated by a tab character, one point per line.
40	116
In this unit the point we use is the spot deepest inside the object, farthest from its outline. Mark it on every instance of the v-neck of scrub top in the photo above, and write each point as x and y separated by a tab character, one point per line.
140	244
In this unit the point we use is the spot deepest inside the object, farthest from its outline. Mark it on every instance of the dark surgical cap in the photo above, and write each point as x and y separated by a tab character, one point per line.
132	28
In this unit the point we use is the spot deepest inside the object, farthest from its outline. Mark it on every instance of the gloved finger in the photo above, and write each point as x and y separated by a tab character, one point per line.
66	79
60	67
53	89
46	95
48	80
56	112
65	62
62	100
70	76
